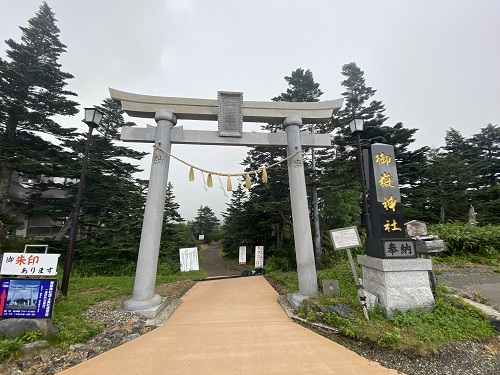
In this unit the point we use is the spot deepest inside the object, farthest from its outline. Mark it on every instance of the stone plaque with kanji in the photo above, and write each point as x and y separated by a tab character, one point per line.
230	114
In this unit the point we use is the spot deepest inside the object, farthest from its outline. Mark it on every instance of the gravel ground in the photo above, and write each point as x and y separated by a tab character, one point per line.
474	358
476	282
461	358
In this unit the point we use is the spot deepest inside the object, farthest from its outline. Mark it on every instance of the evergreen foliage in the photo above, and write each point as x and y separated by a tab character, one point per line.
437	185
340	189
32	91
268	210
236	222
205	223
175	233
464	172
113	199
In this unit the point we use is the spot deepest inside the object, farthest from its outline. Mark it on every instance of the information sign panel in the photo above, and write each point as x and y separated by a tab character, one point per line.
345	238
27	298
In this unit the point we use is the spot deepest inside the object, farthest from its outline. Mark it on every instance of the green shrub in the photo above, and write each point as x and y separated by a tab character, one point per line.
470	240
10	347
275	263
167	267
32	336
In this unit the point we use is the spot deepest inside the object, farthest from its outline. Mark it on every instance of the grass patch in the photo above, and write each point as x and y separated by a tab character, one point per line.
10	347
84	292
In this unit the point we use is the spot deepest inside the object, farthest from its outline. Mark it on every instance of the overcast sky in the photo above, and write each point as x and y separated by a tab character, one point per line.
434	64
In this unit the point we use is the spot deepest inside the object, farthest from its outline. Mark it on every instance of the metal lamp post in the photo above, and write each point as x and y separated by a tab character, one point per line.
356	126
93	118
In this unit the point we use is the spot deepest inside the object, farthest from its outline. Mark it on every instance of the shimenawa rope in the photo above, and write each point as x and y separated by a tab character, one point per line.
209	181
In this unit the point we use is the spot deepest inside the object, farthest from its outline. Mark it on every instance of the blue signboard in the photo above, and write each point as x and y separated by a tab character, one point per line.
27	298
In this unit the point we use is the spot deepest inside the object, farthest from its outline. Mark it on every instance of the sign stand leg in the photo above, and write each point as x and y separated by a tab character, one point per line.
359	285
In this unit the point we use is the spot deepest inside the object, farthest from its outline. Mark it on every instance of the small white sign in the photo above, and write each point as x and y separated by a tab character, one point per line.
201	237
345	238
243	255
259	256
29	264
189	259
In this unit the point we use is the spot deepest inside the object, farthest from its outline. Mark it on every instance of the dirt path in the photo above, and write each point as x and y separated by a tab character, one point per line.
215	265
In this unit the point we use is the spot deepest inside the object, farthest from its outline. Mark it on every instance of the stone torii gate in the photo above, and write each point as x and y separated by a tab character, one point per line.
231	111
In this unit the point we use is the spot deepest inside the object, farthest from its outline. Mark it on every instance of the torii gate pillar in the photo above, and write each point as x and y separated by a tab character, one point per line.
304	252
144	301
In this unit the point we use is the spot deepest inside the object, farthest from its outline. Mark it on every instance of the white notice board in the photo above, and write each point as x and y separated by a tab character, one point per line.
259	256
29	264
345	238
189	259
243	255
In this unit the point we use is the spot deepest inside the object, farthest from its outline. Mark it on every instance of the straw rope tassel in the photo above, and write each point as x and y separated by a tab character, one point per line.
264	175
191	174
209	180
248	183
229	185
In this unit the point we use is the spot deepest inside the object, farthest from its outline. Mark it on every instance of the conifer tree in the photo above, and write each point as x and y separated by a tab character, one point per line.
113	202
236	222
486	197
32	91
175	234
205	223
269	203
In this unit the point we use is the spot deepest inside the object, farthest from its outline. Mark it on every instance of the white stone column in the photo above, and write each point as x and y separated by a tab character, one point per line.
144	301
304	250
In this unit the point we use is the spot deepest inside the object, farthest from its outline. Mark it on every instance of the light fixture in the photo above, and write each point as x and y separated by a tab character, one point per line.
93	117
356	125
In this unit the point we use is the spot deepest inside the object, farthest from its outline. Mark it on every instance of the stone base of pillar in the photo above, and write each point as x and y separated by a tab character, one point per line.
399	284
149	308
295	299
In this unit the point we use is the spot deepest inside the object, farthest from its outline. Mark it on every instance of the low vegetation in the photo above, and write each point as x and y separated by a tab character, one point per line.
416	331
480	244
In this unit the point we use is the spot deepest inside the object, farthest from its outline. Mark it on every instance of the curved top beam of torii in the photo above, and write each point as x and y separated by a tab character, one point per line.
145	106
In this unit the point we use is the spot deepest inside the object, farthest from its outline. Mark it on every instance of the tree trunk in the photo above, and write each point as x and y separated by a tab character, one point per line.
317	231
442	212
64	229
5	175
